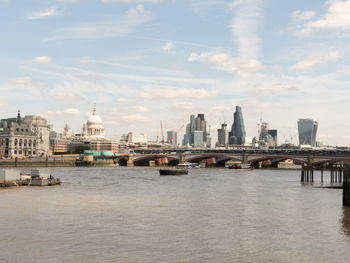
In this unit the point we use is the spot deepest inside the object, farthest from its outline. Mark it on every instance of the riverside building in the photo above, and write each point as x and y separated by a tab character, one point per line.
25	137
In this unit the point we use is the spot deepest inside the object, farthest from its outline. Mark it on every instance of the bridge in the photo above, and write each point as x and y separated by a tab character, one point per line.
219	156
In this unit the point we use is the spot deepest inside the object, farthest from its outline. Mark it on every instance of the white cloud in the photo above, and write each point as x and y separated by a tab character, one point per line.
43	59
39	15
337	17
224	62
245	25
69	111
131	1
184	105
168	93
168	46
105	29
314	59
306	15
135	118
123	100
139	109
85	60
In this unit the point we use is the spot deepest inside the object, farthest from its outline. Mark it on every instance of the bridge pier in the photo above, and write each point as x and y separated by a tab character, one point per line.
307	174
130	162
346	185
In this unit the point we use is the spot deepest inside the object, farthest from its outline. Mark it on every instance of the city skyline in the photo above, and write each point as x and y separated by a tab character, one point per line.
141	63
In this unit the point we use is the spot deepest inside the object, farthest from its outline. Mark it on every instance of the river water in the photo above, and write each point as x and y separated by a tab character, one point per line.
210	215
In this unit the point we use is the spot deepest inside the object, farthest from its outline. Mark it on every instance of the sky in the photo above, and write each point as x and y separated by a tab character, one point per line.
146	61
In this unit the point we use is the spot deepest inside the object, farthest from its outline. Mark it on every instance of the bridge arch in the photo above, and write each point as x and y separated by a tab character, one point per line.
144	159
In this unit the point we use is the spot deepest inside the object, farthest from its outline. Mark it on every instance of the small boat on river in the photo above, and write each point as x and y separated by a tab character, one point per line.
188	165
173	171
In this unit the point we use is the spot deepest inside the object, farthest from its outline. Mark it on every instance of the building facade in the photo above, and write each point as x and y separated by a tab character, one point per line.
237	134
172	137
307	131
197	124
222	136
25	137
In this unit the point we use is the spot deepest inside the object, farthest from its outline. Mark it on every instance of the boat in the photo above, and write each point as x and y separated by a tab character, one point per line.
188	165
173	171
40	178
240	166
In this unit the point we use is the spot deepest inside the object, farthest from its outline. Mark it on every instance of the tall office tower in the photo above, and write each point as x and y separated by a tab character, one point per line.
307	129
172	137
222	135
197	124
237	134
273	134
264	131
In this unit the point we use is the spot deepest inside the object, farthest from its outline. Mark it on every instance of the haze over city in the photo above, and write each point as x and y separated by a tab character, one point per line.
142	61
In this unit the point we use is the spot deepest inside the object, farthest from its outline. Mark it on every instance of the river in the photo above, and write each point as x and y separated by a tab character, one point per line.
210	215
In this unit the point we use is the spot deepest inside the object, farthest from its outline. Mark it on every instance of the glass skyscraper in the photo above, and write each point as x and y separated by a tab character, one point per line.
307	129
237	134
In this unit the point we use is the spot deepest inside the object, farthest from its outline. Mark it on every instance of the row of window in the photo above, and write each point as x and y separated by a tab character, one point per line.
22	130
19	142
25	142
28	153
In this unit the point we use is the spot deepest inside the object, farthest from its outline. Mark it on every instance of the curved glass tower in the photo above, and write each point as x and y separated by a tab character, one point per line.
307	129
237	134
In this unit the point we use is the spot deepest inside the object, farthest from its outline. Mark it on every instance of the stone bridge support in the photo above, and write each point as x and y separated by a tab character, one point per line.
130	162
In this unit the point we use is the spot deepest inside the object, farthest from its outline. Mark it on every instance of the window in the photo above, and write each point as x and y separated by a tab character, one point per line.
16	142
34	152
34	143
20	152
25	142
26	130
29	152
17	129
30	143
22	130
7	141
15	151
20	142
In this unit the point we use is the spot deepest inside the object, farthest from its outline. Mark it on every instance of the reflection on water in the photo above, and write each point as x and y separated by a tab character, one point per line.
211	215
346	221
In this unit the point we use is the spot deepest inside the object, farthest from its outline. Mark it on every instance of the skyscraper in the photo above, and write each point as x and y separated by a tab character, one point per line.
193	136
172	137
237	134
222	135
307	129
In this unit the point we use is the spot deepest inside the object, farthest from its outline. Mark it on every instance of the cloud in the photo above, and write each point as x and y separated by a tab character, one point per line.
306	15
168	46
85	60
135	118
43	59
224	62
168	93
245	25
131	1
123	100
39	15
23	83
314	59
139	109
337	17
184	105
69	111
106	29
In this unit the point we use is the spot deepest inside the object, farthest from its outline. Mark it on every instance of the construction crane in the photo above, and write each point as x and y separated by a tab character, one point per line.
176	133
161	130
